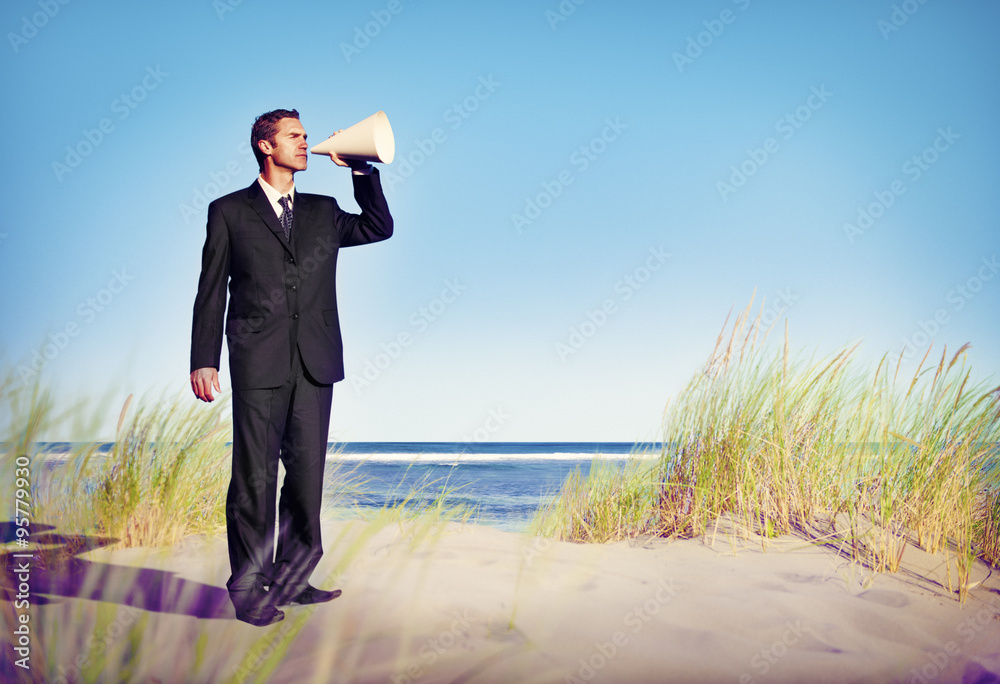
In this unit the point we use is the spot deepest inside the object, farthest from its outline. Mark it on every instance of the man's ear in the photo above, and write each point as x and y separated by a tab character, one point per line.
265	146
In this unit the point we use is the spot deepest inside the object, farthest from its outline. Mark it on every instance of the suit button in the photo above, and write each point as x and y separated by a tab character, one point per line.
295	317
294	288
291	260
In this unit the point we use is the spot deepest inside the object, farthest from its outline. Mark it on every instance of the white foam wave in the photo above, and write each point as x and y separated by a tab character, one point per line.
449	459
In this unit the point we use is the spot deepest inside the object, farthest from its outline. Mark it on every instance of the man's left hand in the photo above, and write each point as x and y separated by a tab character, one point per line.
353	164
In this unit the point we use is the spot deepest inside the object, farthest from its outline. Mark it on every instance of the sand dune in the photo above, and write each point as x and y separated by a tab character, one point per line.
475	604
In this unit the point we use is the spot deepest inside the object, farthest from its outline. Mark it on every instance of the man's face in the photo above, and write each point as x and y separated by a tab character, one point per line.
289	149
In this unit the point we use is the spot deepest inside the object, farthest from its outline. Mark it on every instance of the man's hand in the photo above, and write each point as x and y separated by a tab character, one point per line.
353	164
202	382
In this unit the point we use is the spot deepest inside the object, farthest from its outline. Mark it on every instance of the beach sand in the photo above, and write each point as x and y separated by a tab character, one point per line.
475	604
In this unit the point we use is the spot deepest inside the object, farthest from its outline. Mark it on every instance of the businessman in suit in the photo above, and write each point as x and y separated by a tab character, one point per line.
276	249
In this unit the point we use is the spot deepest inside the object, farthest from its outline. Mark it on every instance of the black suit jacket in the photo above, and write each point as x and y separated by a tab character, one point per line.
280	294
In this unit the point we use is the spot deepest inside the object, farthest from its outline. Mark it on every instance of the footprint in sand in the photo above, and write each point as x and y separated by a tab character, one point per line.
893	599
801	579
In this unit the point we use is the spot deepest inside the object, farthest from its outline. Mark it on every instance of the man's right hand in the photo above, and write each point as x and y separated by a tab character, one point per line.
202	382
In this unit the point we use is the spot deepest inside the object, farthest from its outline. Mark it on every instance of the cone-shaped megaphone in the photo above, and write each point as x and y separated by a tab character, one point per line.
370	140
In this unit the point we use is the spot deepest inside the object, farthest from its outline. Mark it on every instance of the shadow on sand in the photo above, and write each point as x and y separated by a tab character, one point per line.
56	570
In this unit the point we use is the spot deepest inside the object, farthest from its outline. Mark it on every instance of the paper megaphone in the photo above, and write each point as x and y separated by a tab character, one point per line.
370	140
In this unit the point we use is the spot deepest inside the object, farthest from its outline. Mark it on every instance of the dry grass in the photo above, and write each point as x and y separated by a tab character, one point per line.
772	443
164	478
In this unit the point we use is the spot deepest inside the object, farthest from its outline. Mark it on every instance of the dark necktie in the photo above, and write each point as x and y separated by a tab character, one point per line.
286	215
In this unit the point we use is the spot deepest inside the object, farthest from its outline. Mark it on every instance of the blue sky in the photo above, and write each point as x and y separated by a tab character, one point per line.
582	192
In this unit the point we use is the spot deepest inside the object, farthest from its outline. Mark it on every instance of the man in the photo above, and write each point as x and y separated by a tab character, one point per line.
277	249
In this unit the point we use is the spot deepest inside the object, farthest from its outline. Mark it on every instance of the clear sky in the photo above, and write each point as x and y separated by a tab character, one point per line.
581	191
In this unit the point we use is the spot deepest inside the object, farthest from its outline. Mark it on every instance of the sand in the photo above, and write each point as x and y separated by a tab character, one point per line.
475	604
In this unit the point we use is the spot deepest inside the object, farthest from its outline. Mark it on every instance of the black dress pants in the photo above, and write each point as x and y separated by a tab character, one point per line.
290	423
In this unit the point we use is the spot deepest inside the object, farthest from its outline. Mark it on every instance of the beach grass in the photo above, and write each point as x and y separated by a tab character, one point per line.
163	477
869	461
163	480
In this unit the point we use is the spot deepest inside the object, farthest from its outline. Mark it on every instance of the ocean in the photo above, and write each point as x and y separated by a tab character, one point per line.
504	482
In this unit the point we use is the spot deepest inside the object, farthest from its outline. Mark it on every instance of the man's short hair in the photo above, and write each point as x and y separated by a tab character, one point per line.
265	128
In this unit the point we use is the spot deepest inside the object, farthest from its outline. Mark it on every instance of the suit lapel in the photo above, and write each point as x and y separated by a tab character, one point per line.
260	204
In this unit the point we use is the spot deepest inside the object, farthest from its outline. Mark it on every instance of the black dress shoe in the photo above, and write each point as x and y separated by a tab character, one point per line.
256	606
260	615
307	596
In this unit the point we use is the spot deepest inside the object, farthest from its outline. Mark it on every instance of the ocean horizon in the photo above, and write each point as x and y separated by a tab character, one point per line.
358	449
504	483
